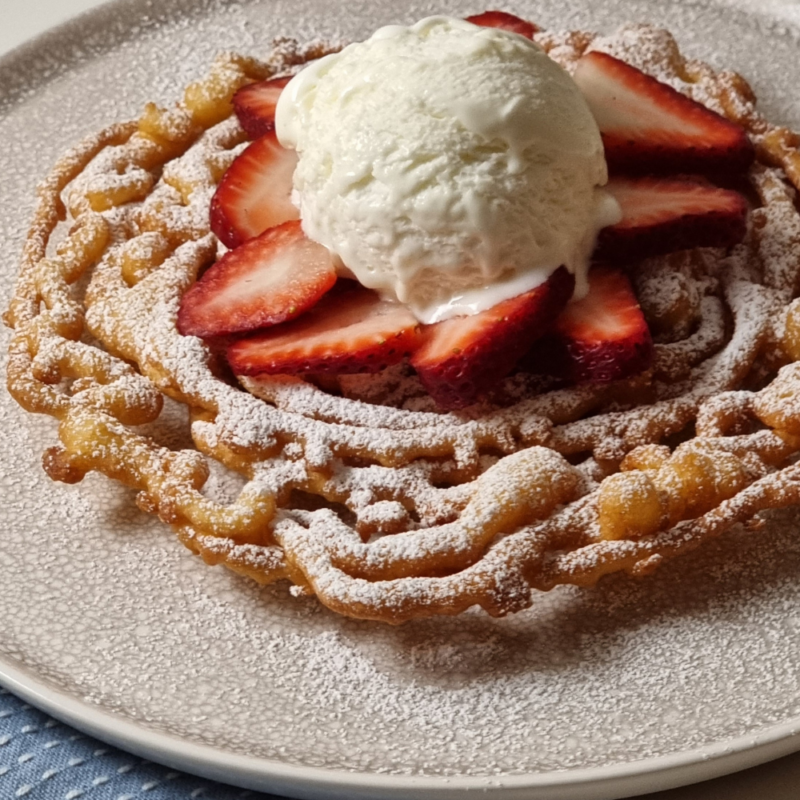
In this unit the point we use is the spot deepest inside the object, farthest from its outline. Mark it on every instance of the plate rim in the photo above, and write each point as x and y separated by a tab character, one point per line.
605	782
262	774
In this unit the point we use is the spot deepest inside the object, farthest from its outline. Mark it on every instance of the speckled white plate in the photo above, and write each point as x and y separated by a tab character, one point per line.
110	624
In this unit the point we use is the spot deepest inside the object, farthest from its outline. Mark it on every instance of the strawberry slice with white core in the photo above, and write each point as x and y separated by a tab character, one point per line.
255	104
255	193
599	338
463	357
647	126
505	21
661	215
350	330
265	281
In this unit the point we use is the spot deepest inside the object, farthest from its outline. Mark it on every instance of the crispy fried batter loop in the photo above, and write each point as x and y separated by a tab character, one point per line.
361	492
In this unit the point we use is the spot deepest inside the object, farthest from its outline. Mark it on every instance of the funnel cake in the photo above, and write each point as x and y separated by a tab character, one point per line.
358	489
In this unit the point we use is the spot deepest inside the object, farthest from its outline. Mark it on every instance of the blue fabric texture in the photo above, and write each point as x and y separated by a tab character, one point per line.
42	759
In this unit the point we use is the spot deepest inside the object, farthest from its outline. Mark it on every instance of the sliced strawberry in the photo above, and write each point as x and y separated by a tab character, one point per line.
504	20
648	126
255	193
267	280
661	215
462	357
255	103
602	337
350	330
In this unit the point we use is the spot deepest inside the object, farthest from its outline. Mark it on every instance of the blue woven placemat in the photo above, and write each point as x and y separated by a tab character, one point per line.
42	759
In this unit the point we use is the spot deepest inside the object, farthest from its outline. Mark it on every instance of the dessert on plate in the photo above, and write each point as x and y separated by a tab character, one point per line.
471	309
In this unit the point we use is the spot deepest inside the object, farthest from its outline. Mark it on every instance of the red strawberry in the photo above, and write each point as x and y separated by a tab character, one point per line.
504	20
462	357
267	280
648	126
350	330
255	193
602	337
660	215
255	103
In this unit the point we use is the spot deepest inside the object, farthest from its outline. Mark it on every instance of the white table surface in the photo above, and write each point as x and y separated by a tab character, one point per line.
778	780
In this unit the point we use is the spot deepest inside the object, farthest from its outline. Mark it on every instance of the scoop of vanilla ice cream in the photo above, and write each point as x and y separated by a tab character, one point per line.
447	165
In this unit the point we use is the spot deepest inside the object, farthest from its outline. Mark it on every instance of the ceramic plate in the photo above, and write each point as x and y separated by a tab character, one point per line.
112	625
